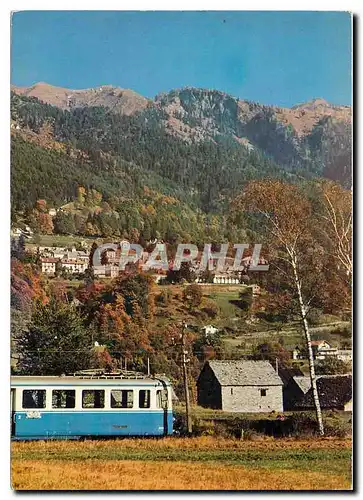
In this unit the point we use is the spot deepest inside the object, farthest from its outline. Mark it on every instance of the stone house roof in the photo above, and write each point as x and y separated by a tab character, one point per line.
244	373
303	382
286	374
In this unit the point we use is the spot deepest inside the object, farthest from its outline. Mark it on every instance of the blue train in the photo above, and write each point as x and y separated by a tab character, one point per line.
71	407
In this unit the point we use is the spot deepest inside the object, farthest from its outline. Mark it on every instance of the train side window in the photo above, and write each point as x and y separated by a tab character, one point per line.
144	399
122	399
62	398
34	398
93	398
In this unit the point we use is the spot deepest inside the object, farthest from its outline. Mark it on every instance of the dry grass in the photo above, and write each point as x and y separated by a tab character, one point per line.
142	475
170	443
183	464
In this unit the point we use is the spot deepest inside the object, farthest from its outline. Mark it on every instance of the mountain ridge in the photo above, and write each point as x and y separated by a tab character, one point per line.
125	101
314	137
302	117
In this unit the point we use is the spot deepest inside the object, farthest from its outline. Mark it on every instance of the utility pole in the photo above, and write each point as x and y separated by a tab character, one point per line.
185	379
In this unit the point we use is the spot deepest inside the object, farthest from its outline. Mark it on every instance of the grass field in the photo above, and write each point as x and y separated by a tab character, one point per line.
203	463
62	240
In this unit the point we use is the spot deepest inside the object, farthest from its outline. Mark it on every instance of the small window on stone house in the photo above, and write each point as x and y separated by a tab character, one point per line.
263	392
231	391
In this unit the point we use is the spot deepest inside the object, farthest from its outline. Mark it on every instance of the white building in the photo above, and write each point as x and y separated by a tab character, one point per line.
345	355
209	330
74	267
106	271
49	265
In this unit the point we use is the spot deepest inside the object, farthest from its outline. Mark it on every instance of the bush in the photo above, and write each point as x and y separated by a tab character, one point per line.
164	297
332	366
210	308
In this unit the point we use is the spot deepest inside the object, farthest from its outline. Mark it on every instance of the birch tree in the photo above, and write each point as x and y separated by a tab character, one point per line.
336	215
284	217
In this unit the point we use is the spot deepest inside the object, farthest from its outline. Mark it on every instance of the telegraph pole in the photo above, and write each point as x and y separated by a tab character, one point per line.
185	379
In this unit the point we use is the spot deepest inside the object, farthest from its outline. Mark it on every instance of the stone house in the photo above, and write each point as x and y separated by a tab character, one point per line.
335	392
240	386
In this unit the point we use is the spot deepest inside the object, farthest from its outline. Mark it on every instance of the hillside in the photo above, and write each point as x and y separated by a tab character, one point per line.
187	104
314	137
205	174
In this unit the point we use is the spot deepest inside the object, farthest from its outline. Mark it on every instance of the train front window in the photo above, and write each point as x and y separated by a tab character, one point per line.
34	398
122	399
93	398
63	398
144	399
162	399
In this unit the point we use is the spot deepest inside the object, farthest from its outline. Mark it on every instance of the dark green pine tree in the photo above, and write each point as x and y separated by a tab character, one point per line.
55	342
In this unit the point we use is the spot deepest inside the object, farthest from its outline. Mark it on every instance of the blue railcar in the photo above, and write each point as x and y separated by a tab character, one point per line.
71	407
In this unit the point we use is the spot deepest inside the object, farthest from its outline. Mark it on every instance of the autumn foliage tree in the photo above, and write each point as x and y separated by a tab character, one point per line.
39	218
337	216
193	296
119	314
284	225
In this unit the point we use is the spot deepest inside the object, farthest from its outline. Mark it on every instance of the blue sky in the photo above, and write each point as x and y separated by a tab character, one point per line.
280	58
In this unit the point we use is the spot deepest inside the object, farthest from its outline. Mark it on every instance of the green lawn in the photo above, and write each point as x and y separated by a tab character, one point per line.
48	240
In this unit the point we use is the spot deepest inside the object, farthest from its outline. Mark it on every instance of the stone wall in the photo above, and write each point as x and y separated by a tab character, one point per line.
249	399
209	389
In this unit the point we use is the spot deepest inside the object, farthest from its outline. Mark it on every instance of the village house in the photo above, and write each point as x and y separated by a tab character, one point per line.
321	350
344	355
320	346
74	267
16	232
83	256
27	231
49	265
56	252
240	386
106	271
209	330
112	256
335	391
297	353
71	255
